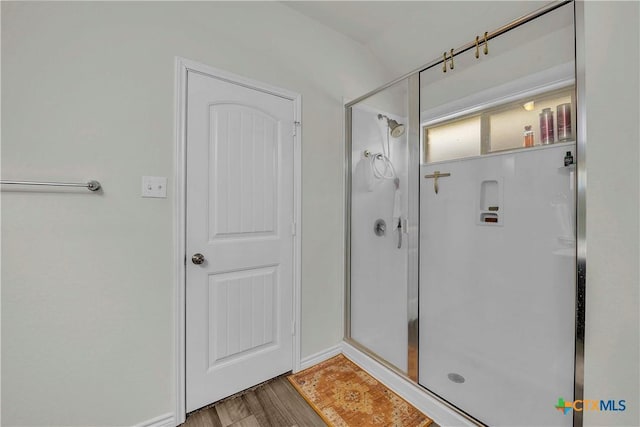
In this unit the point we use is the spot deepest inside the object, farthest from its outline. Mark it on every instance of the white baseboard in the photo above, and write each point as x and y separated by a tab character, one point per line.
409	391
166	420
320	356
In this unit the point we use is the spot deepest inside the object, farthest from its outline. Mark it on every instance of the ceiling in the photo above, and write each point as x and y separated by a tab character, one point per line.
362	21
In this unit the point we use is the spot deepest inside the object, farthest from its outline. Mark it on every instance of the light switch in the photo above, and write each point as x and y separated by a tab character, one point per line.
154	186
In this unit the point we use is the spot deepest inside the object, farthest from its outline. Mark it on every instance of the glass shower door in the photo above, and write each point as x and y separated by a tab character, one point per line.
378	224
497	226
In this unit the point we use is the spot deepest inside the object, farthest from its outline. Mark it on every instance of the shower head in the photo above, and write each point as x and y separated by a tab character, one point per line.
396	129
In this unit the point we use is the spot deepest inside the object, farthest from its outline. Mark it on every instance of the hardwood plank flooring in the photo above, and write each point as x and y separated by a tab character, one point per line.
272	404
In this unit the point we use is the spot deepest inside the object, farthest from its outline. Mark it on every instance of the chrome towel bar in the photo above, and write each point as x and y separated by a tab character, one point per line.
91	185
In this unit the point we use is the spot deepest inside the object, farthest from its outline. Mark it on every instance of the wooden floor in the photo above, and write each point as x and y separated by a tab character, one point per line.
275	403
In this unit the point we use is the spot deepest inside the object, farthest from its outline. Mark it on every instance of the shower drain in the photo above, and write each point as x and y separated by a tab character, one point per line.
456	378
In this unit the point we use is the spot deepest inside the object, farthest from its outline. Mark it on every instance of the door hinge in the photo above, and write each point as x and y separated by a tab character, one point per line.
293	328
293	228
296	125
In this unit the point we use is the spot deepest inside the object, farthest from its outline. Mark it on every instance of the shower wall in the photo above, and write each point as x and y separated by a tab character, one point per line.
497	298
378	266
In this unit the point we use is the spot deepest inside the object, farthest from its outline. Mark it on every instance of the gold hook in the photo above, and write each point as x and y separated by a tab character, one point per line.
477	47
486	46
444	62
451	65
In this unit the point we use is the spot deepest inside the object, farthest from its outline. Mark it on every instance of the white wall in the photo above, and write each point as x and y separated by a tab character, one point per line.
87	280
613	197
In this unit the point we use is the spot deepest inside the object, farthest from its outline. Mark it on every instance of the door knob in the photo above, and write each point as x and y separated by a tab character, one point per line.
197	259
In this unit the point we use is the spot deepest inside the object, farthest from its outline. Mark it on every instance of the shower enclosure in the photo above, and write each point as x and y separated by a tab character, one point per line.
461	224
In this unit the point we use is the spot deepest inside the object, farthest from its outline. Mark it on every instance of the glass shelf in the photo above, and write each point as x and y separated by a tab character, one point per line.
568	144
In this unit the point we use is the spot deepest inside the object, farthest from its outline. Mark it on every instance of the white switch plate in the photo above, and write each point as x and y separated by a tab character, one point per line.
154	186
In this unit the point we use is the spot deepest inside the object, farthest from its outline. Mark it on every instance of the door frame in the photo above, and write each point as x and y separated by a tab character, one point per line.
182	66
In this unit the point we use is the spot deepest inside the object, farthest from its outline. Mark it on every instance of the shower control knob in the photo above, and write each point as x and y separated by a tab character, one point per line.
380	227
197	259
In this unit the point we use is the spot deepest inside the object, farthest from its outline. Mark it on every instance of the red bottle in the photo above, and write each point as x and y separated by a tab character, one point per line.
546	127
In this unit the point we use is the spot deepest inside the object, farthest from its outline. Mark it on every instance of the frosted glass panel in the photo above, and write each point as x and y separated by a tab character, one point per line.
500	128
453	140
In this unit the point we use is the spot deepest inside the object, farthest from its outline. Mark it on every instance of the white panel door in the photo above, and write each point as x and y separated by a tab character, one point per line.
239	218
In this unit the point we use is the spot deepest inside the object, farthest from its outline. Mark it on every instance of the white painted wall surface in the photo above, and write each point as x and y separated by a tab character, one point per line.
87	280
612	352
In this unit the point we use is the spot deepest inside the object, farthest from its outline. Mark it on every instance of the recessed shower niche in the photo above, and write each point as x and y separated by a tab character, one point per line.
491	206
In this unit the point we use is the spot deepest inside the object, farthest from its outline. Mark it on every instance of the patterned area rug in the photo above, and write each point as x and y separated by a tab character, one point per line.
346	396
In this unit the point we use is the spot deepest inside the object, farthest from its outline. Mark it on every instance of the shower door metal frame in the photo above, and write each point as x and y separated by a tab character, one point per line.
413	139
581	207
